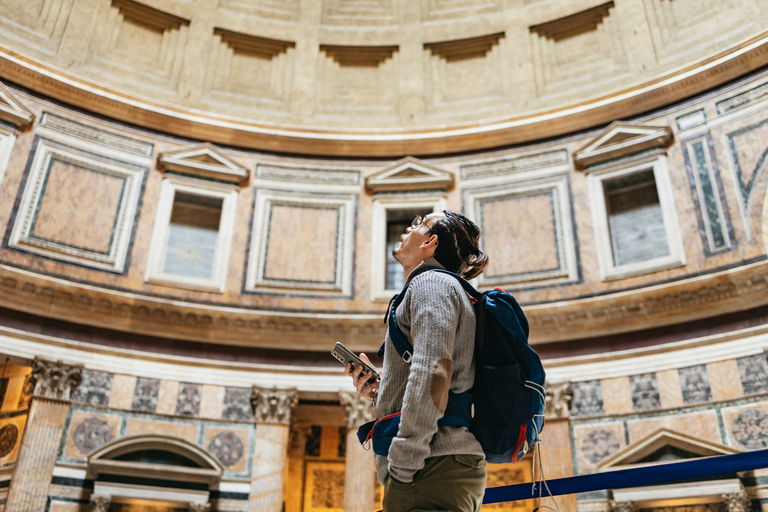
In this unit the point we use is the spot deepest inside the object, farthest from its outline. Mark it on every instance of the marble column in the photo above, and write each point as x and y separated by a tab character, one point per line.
360	475
42	435
555	446
272	409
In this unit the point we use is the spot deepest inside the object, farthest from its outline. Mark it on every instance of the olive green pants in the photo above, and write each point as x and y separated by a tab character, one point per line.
454	483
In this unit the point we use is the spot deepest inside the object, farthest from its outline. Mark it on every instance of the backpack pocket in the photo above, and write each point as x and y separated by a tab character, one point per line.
511	404
384	430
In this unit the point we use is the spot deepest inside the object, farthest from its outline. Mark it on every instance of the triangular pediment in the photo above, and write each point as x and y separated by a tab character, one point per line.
619	140
663	446
205	161
13	110
409	174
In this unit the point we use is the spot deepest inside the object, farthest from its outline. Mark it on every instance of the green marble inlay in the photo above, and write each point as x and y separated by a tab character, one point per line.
709	200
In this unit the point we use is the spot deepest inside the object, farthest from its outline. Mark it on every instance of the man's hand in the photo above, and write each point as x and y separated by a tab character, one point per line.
366	389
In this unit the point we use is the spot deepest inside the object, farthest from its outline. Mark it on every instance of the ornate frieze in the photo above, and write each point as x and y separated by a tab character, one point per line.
55	379
558	398
273	405
357	410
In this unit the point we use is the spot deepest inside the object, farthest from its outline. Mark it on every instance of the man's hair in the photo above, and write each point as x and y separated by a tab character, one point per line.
457	245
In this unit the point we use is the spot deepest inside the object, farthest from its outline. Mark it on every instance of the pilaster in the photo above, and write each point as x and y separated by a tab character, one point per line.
48	410
359	478
272	410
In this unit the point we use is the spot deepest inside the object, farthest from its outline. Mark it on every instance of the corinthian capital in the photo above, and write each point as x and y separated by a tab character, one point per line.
736	502
99	503
55	380
273	405
357	409
623	506
558	400
199	507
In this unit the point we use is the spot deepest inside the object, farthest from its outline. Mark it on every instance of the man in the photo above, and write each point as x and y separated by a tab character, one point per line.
429	466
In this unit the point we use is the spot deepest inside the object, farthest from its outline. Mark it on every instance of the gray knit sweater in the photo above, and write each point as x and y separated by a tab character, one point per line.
437	317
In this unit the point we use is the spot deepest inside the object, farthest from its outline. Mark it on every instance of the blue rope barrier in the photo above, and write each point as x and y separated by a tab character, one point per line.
635	477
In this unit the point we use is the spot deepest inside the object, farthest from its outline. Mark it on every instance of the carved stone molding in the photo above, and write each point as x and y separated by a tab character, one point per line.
55	380
686	300
273	405
736	502
559	398
99	503
359	56
623	506
461	49
357	410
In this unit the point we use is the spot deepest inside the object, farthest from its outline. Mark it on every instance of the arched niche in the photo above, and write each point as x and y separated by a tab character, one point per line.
152	468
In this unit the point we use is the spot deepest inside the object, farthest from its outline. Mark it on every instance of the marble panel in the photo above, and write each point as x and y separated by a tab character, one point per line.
617	395
55	219
596	442
145	394
188	402
88	430
723	381
694	383
748	149
212	401
324	486
230	446
167	396
703	425
670	393
67	506
123	388
645	392
94	388
747	425
587	398
753	372
237	404
180	428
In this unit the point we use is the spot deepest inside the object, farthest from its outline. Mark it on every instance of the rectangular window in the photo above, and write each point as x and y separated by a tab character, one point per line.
192	236
635	218
397	222
392	214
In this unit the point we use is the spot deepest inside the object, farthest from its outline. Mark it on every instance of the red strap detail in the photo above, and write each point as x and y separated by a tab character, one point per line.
520	441
502	290
474	300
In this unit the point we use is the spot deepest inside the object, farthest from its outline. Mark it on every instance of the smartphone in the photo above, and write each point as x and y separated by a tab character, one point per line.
345	355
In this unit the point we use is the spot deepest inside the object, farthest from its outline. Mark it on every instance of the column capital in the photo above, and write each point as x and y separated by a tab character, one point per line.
55	379
199	507
99	503
623	506
273	405
558	397
736	502
357	410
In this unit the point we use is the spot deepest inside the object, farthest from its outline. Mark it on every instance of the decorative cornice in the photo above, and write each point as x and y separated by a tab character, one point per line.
719	293
274	405
461	49
13	110
409	174
55	379
205	161
664	89
357	410
359	56
619	140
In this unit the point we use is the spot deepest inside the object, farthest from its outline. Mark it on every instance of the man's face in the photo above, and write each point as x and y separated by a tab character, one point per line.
410	242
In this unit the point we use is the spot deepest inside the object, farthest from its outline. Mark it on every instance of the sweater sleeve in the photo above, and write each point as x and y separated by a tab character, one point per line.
434	308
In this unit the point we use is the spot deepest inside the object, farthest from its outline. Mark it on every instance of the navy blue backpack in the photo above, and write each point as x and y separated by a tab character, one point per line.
505	408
